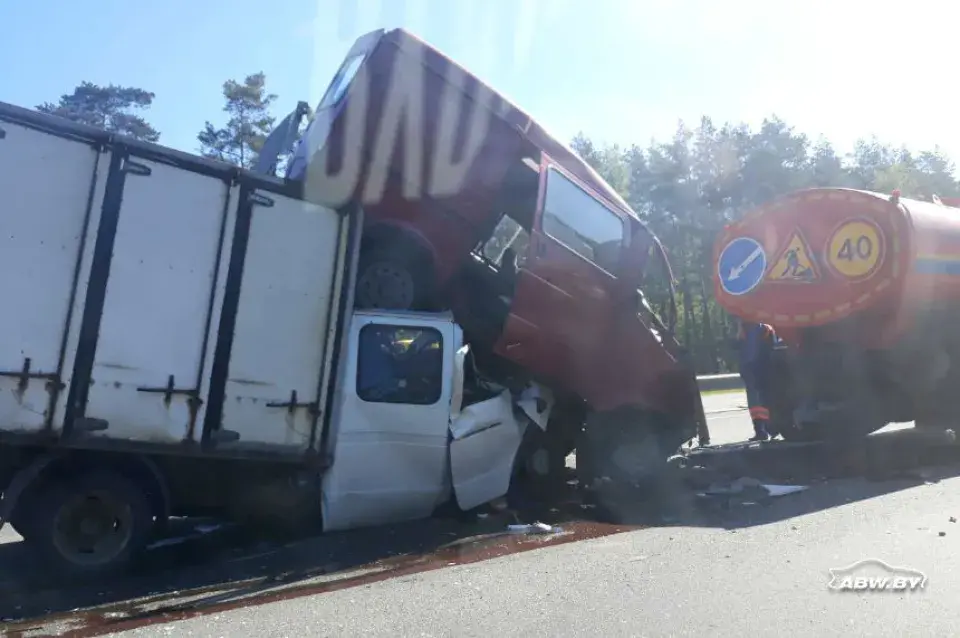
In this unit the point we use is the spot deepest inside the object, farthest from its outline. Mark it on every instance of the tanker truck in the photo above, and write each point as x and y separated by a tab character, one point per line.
864	290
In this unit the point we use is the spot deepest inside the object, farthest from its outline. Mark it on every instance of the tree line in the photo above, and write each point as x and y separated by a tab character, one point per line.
689	187
120	109
685	188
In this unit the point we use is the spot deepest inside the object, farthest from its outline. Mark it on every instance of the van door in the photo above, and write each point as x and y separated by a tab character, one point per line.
567	285
390	436
484	439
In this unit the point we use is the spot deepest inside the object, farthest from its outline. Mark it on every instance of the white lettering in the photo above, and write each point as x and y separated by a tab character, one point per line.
338	187
403	106
448	173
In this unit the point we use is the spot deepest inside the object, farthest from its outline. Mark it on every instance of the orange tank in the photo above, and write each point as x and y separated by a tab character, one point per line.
820	256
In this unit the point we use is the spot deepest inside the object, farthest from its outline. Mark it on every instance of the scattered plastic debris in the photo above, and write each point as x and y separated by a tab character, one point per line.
734	487
783	490
953	519
941	533
198	531
533	528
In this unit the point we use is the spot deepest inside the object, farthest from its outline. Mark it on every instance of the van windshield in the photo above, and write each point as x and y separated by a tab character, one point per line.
341	81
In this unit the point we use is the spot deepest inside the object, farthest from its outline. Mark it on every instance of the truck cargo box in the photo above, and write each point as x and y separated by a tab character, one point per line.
156	299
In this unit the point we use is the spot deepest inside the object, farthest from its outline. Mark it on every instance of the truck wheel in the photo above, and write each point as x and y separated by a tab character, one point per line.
621	464
622	447
393	279
92	524
543	459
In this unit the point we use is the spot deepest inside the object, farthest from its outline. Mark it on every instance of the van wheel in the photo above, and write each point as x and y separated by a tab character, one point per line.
393	279
91	525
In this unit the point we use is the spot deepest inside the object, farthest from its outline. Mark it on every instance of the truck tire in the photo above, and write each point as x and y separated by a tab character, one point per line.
396	277
622	448
542	460
90	525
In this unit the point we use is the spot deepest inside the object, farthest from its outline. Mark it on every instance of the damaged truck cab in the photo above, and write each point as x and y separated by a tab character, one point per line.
187	344
473	207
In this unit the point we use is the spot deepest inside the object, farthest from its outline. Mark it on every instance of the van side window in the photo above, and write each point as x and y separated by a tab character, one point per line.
574	217
399	364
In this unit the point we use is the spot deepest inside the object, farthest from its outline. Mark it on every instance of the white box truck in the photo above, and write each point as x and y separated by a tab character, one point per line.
178	338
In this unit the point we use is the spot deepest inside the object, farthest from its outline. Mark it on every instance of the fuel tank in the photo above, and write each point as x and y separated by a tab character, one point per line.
819	256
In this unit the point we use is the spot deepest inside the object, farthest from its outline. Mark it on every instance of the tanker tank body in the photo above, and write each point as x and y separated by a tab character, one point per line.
864	289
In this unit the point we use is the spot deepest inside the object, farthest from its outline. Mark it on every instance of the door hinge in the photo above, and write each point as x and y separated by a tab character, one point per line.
135	168
260	200
170	389
292	405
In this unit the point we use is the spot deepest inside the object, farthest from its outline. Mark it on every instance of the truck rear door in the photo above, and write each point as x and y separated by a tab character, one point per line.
146	379
286	317
49	182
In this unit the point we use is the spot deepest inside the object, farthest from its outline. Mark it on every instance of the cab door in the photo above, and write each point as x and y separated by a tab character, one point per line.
567	285
390	433
484	440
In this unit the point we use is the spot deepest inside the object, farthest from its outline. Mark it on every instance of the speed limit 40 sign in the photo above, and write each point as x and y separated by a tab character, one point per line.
855	249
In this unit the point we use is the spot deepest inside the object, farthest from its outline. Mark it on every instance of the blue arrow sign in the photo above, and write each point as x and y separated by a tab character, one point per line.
741	265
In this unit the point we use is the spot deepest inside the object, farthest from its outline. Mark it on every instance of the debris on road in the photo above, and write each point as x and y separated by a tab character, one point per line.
534	528
783	490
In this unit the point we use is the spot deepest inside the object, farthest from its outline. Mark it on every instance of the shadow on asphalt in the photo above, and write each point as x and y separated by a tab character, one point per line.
231	568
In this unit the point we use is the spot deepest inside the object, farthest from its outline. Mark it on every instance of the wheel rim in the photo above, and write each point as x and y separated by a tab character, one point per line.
385	285
93	529
635	459
539	463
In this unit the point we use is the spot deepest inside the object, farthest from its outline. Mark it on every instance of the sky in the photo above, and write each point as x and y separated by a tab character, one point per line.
621	71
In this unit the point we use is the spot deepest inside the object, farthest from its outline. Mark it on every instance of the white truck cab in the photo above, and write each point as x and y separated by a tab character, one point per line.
401	438
185	343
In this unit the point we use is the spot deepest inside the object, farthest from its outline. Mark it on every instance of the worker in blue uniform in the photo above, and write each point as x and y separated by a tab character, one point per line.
755	345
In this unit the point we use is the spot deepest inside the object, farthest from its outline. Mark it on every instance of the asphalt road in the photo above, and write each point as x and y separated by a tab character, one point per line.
742	564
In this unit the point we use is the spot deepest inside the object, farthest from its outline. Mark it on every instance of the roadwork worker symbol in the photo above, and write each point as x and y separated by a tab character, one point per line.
794	264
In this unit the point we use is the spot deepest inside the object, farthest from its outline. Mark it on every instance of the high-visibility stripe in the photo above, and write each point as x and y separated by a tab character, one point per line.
759	412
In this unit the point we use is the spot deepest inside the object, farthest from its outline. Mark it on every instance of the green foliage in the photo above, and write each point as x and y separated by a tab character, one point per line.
249	122
111	108
687	188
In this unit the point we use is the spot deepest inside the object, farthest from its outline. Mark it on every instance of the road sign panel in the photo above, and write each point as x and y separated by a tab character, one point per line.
795	262
856	249
741	265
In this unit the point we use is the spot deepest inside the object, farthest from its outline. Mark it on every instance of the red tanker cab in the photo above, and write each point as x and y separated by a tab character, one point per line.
472	205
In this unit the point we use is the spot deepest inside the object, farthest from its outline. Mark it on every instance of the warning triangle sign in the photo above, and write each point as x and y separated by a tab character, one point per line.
794	263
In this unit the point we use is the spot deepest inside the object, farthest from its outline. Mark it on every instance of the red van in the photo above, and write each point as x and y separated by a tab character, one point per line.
471	205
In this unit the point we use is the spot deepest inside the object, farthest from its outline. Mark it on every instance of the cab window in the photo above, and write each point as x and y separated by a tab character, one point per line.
399	364
508	235
581	222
